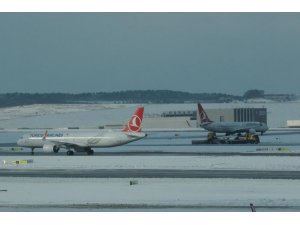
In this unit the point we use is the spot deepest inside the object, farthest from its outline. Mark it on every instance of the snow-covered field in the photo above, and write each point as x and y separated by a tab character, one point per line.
63	115
9	113
116	193
284	163
165	193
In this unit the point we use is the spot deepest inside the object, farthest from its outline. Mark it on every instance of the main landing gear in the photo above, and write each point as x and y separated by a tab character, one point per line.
69	152
90	152
55	149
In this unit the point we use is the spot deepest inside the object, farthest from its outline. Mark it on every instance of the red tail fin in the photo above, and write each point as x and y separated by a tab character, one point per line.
202	114
135	123
45	135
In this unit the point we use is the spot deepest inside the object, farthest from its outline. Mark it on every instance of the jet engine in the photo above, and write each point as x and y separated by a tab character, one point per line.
252	131
50	148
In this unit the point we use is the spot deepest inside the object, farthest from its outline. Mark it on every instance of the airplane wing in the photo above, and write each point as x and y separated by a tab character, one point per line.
65	144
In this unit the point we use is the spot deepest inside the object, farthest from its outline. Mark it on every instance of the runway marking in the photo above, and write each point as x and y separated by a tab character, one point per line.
156	153
150	173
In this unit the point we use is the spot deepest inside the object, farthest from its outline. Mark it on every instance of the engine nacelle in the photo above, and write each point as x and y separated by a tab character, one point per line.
252	131
50	148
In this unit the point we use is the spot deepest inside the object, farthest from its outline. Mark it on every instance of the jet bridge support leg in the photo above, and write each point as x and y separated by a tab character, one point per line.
32	151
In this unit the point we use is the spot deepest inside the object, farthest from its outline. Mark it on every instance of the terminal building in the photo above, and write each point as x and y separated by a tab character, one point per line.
225	115
188	119
238	115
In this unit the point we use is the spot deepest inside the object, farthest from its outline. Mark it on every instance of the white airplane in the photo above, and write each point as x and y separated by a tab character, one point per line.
229	127
84	141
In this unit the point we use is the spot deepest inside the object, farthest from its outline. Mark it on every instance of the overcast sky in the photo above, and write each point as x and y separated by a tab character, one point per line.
195	52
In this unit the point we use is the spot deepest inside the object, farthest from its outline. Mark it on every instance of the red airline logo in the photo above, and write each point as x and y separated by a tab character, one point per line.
134	124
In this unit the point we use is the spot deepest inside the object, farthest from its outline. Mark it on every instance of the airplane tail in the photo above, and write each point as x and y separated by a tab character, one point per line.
135	123
202	115
45	135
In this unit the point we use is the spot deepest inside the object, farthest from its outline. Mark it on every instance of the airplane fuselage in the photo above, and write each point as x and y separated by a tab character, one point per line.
84	141
105	138
234	127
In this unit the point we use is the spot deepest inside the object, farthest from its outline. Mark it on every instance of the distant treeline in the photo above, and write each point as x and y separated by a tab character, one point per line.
147	96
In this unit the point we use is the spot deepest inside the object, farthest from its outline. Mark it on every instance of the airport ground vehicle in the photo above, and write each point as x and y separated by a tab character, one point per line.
248	138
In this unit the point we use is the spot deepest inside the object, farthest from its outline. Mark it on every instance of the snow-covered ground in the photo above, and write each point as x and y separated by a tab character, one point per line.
63	115
284	163
118	193
8	113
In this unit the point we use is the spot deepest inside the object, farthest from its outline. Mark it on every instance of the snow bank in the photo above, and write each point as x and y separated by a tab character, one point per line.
49	109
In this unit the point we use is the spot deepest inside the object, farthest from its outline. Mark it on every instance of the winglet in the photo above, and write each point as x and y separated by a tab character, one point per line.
135	123
45	135
202	114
